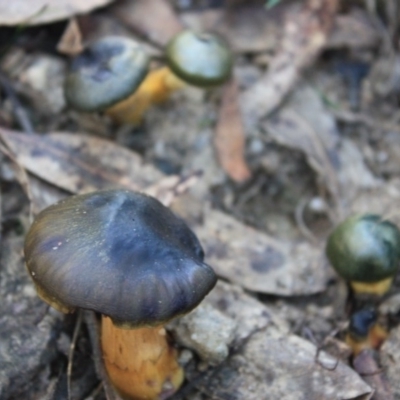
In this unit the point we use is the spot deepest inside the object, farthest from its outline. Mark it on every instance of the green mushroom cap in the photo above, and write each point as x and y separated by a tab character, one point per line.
364	248
202	60
120	253
107	72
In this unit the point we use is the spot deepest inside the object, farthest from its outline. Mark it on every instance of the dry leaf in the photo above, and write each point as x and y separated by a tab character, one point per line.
357	29
153	19
248	29
71	40
366	365
304	124
305	34
33	12
258	262
79	163
229	141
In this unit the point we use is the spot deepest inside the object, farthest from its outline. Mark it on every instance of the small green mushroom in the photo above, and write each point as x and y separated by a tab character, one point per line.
365	251
199	59
107	72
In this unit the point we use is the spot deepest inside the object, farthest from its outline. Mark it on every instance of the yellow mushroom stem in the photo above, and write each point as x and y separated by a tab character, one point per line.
156	88
376	336
375	288
140	362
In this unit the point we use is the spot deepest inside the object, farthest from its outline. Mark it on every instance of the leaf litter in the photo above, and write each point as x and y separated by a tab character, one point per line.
265	354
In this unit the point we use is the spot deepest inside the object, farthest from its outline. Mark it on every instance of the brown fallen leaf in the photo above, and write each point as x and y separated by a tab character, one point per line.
305	34
71	40
155	20
33	12
229	141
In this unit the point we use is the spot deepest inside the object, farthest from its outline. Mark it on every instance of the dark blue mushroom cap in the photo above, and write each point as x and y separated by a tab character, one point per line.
120	253
107	72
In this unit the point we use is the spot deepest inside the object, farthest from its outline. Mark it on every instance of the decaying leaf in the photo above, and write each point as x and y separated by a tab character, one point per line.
390	358
305	34
304	124
33	12
229	141
367	366
268	362
144	16
355	30
259	262
247	28
79	163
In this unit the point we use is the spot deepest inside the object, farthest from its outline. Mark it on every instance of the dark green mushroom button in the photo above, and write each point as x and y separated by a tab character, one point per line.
200	59
119	253
107	72
365	250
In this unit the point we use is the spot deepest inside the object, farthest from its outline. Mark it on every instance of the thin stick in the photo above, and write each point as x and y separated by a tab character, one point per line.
93	328
77	329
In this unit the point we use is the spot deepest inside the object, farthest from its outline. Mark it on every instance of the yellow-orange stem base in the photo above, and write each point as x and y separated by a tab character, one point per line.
140	362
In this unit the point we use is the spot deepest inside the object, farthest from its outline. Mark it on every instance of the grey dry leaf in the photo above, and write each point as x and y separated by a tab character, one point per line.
390	359
305	34
80	163
269	363
33	12
258	262
305	124
247	28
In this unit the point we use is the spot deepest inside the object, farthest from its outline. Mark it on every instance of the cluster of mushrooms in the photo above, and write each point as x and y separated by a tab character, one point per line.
112	74
119	253
129	258
365	251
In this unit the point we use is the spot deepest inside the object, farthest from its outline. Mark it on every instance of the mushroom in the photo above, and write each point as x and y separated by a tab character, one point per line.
108	71
365	251
365	332
199	59
126	256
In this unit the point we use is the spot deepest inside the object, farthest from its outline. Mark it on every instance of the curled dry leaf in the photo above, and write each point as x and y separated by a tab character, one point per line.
33	12
267	362
305	34
229	141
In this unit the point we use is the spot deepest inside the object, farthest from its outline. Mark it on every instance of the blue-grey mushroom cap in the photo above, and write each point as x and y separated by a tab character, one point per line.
107	72
119	253
200	59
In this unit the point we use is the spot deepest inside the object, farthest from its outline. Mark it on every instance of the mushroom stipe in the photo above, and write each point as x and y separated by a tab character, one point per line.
126	256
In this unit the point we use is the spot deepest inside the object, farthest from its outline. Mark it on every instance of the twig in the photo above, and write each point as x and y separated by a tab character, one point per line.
93	328
77	329
19	112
